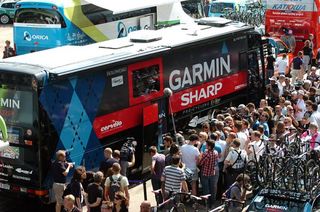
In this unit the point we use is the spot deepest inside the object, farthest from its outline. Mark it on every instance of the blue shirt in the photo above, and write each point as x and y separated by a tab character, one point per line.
266	131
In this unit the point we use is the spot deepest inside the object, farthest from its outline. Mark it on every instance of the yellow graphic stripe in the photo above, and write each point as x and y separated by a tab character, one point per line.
76	16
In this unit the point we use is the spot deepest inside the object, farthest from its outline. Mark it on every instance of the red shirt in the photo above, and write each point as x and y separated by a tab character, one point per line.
208	162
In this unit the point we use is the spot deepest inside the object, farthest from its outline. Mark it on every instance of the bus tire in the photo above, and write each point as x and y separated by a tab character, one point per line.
4	19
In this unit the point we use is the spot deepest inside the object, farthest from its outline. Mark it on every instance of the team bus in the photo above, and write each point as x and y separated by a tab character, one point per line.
85	98
302	17
44	24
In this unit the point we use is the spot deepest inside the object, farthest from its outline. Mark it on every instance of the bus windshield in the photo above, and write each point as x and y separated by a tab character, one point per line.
39	16
221	7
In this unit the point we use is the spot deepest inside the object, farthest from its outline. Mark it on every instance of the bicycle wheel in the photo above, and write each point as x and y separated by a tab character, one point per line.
315	176
179	208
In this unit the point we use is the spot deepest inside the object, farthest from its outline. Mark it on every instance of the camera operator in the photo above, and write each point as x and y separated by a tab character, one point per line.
127	157
273	92
60	169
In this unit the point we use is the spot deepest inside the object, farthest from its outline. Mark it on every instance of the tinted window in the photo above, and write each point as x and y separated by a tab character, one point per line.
39	16
95	14
8	5
98	15
146	81
220	7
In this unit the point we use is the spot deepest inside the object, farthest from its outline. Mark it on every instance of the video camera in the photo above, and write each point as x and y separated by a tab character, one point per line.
128	148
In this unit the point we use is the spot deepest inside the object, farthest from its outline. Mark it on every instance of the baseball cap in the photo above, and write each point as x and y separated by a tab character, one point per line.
274	78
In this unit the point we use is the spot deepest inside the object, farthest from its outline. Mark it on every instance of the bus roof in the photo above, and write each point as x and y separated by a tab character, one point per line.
113	5
64	60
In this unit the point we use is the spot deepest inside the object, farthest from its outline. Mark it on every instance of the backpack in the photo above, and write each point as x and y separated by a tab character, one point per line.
228	192
115	186
239	159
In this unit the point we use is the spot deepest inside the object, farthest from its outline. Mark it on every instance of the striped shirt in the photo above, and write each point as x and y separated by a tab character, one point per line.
173	177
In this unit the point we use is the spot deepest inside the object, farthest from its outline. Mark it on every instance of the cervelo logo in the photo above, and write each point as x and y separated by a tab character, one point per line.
114	125
123	30
29	37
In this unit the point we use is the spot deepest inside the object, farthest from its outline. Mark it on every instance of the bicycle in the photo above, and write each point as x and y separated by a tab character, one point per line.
178	202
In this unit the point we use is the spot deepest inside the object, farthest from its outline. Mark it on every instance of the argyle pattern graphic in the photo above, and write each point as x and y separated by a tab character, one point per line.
72	105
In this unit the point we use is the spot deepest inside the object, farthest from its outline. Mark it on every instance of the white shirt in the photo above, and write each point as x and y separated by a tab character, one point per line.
302	106
243	139
233	155
280	86
189	156
315	118
223	145
256	148
282	65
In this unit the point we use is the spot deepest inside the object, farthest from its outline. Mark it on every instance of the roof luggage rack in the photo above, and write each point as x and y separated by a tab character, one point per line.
144	36
214	21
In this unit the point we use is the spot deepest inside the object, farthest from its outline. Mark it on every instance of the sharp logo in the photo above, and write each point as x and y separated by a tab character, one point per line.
28	37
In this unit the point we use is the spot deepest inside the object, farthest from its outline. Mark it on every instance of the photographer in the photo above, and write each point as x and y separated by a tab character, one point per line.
127	157
60	169
273	92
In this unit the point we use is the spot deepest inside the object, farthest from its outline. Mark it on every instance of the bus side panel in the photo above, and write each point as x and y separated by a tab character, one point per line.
209	71
72	107
298	17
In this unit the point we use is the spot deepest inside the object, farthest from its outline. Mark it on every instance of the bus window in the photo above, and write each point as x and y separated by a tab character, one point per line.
220	7
39	16
146	81
282	48
95	14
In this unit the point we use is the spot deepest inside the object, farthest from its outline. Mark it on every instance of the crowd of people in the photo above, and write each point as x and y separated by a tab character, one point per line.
104	190
210	159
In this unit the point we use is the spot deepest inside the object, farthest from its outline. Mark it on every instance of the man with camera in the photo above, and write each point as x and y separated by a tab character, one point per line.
60	170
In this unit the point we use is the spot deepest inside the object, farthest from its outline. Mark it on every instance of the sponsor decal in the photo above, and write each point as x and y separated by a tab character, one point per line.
279	207
291	7
208	91
10	103
111	126
21	177
19	170
29	37
124	30
116	81
118	121
7	166
199	73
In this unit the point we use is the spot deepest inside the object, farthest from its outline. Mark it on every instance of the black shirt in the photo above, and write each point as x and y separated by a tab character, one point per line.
95	191
106	165
74	209
58	167
307	51
270	61
297	62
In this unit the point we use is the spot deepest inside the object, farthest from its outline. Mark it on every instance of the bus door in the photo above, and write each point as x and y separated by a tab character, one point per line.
150	133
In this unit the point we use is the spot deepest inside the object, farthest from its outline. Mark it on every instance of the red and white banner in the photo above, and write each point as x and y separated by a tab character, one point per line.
208	91
118	121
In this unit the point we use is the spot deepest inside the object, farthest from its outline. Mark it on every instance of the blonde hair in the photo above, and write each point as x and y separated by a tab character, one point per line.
70	197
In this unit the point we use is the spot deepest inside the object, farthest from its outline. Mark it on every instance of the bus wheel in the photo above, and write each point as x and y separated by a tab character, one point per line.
4	19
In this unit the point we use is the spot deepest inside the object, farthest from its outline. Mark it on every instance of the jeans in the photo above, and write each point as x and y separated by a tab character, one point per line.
156	185
209	186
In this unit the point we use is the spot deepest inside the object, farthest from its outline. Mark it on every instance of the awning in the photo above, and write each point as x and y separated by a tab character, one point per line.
122	6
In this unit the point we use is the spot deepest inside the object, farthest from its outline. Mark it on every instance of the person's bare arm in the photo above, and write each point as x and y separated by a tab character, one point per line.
96	204
133	161
65	173
153	164
184	186
78	203
106	193
126	191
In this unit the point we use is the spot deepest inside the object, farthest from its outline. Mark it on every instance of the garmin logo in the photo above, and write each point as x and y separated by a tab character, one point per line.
28	37
10	103
123	30
279	207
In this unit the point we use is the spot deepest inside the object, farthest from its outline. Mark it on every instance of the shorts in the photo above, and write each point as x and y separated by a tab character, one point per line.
58	189
195	175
